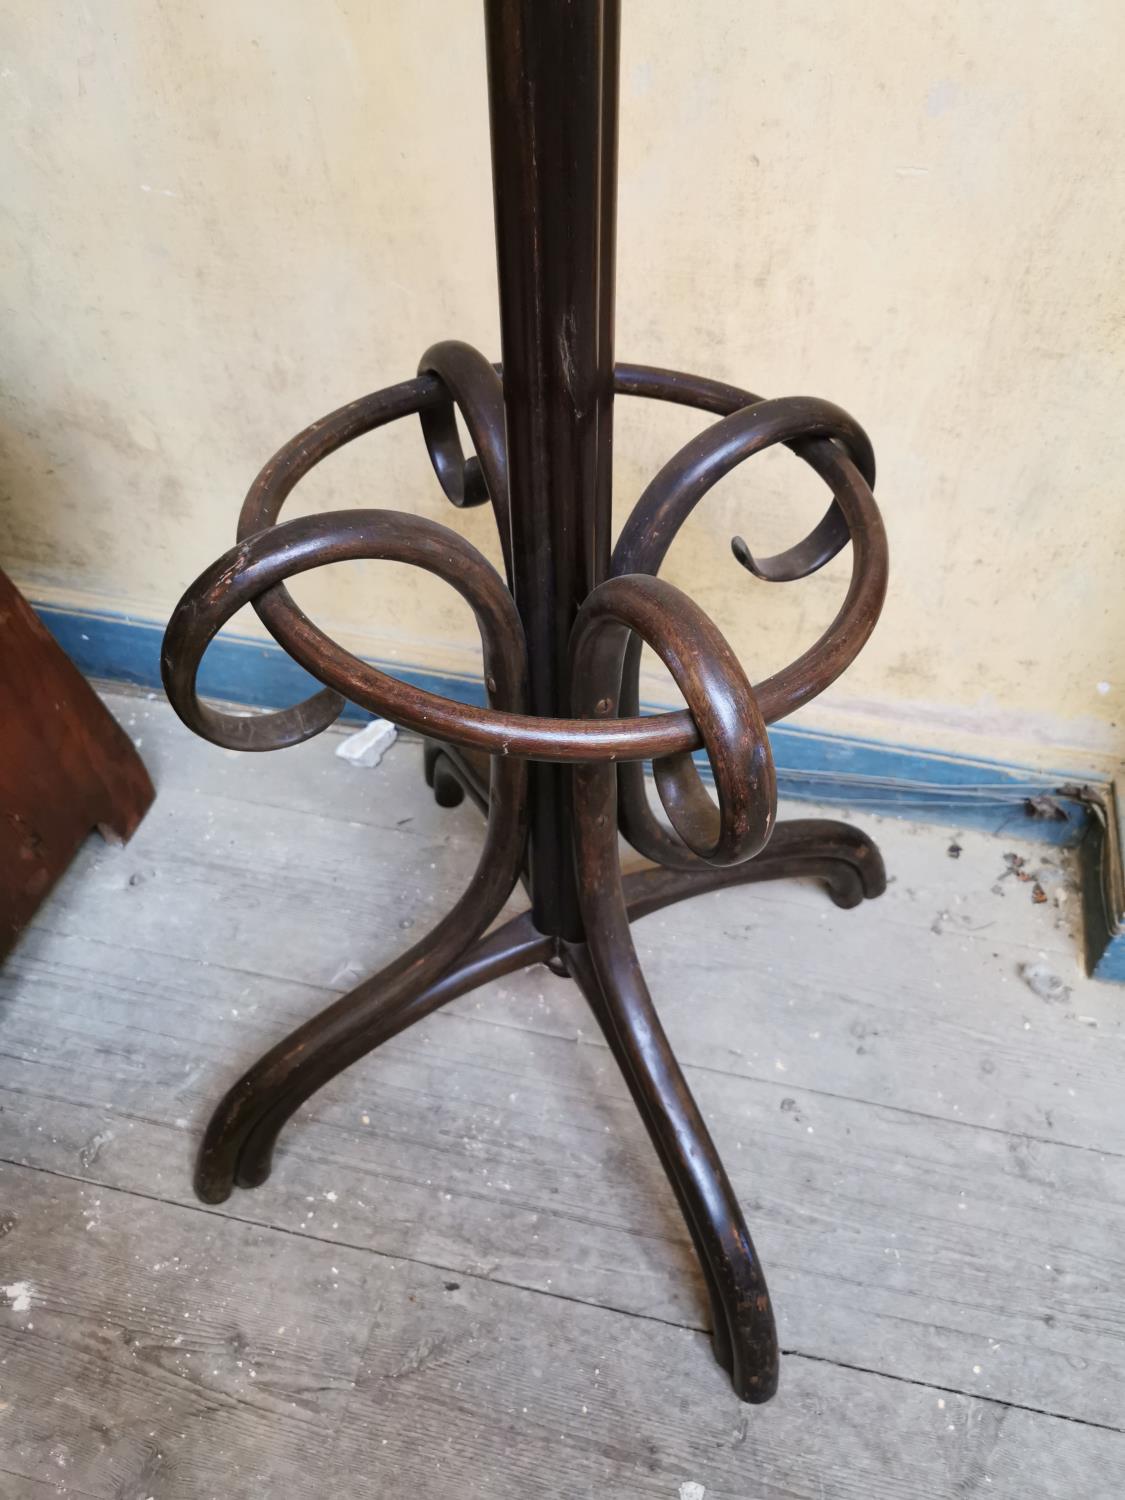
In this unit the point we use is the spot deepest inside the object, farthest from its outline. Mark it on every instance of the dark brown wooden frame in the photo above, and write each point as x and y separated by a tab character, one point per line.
556	759
66	765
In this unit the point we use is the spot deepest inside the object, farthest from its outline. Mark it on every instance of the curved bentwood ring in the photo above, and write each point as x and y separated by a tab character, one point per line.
704	845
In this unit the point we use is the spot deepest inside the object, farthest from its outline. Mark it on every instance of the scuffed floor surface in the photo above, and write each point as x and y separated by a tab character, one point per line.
467	1277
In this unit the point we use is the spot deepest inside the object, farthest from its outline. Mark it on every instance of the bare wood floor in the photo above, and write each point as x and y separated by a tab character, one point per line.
467	1276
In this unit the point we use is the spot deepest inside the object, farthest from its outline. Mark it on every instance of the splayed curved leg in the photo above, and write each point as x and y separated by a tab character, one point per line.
238	1147
609	973
238	1144
743	1332
845	858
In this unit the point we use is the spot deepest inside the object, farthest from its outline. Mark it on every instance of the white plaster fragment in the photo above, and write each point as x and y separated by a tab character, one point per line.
19	1294
368	745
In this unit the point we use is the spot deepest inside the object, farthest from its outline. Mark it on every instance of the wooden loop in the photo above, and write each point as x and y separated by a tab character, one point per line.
473	387
719	697
258	564
493	730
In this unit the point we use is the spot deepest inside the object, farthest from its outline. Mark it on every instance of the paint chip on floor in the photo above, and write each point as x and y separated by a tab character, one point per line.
1044	982
19	1294
368	745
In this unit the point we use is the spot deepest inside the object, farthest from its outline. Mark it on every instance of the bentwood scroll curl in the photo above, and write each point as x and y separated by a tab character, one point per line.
474	389
256	566
720	700
837	448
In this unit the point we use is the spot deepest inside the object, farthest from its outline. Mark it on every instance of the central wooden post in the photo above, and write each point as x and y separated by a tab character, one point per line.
552	78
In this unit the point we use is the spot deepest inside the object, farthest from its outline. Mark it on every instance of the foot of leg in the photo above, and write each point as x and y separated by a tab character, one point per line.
843	857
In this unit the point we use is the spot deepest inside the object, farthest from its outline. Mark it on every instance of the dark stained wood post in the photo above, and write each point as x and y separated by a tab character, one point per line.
552	78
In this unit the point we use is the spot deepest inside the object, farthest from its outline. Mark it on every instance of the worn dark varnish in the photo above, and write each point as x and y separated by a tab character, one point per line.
556	758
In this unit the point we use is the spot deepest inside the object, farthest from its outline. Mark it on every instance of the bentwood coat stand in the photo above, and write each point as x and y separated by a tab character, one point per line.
556	759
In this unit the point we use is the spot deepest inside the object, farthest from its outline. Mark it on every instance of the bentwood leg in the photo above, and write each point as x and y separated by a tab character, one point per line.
843	857
238	1146
743	1332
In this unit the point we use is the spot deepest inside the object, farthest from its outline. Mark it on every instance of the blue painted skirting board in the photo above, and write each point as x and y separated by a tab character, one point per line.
811	765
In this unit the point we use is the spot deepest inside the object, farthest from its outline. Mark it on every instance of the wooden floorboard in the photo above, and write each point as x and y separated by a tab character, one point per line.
487	1148
168	1351
932	1159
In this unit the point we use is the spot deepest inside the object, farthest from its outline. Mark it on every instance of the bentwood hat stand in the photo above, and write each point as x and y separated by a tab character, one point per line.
556	759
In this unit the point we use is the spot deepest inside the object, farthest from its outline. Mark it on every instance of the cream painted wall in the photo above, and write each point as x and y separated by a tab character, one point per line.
221	220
